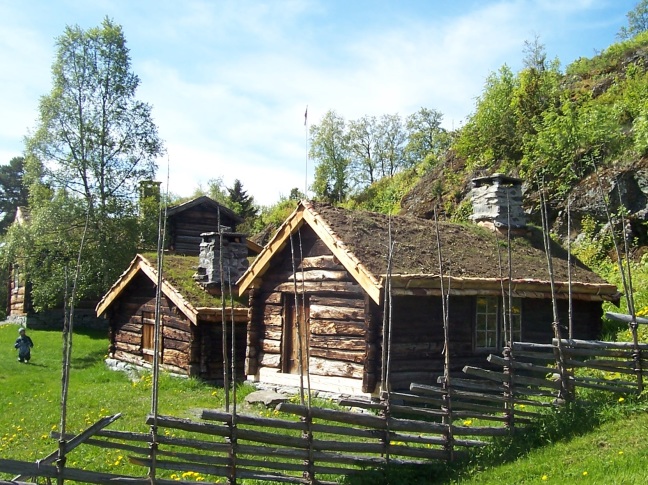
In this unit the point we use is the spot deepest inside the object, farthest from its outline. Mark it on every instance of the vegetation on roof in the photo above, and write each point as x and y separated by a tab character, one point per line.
467	250
179	270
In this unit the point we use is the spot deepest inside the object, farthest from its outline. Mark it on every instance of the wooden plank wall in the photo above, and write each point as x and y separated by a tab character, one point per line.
417	338
336	303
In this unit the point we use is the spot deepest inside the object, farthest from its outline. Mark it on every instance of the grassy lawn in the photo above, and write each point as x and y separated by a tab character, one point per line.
604	443
30	398
614	453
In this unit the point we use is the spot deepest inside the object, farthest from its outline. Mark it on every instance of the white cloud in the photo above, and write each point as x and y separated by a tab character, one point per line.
229	80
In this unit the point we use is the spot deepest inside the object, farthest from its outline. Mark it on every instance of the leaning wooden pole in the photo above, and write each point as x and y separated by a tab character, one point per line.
385	386
297	318
224	346
569	271
157	341
565	388
233	423
68	331
447	400
636	355
307	434
627	288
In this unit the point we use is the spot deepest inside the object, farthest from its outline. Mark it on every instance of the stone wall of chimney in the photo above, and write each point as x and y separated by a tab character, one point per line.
497	202
235	262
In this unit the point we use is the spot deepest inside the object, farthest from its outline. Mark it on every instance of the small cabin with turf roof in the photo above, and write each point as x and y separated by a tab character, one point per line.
192	309
318	291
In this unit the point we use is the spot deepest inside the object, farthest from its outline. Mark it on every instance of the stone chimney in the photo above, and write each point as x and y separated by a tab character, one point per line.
497	202
235	262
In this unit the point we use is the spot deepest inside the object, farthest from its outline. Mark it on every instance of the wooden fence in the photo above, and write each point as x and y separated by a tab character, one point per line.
428	424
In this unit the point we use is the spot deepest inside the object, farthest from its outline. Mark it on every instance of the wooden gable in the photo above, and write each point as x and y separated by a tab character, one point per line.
303	214
186	222
141	265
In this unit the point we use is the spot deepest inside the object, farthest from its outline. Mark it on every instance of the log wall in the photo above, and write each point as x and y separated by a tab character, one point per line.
136	308
417	338
537	316
185	228
188	349
336	305
18	293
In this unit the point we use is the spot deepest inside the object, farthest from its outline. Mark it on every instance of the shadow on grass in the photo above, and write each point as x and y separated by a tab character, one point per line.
92	333
89	359
561	424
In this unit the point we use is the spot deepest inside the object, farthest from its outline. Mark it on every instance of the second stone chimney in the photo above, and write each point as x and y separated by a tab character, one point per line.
234	255
497	202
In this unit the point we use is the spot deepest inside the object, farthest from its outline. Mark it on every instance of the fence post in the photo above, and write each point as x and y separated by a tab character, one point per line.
233	442
509	403
636	356
567	391
448	435
386	436
309	473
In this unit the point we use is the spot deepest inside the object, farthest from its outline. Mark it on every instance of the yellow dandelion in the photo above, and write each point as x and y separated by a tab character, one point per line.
584	474
545	477
620	452
621	399
467	422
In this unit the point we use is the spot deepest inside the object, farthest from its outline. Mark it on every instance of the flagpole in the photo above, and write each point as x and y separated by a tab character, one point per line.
306	168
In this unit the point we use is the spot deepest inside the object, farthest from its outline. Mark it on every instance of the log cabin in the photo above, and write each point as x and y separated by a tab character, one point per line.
187	221
191	309
18	285
324	288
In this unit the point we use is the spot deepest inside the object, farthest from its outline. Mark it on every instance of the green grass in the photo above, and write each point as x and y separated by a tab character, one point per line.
30	399
603	442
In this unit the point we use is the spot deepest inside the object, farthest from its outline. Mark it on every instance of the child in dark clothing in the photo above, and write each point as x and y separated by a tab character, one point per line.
24	345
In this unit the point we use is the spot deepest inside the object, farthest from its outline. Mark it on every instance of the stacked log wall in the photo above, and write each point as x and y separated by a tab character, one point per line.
208	349
418	338
135	308
537	317
186	227
17	293
336	305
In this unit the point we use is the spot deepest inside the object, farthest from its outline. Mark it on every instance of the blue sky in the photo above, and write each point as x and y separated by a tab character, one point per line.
229	80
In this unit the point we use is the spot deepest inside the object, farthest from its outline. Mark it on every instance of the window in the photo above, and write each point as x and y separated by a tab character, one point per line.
490	320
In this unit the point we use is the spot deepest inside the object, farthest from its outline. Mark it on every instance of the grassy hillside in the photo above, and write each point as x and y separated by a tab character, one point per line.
614	453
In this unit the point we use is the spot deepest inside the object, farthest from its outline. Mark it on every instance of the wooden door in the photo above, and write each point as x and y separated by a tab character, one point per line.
296	332
148	336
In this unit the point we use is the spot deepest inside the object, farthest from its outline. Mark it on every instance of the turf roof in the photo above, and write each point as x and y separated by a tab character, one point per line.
178	271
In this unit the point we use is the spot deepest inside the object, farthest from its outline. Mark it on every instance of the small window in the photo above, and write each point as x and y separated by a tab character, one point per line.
490	318
486	328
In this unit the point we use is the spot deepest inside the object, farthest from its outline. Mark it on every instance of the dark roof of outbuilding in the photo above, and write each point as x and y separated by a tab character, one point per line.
207	202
